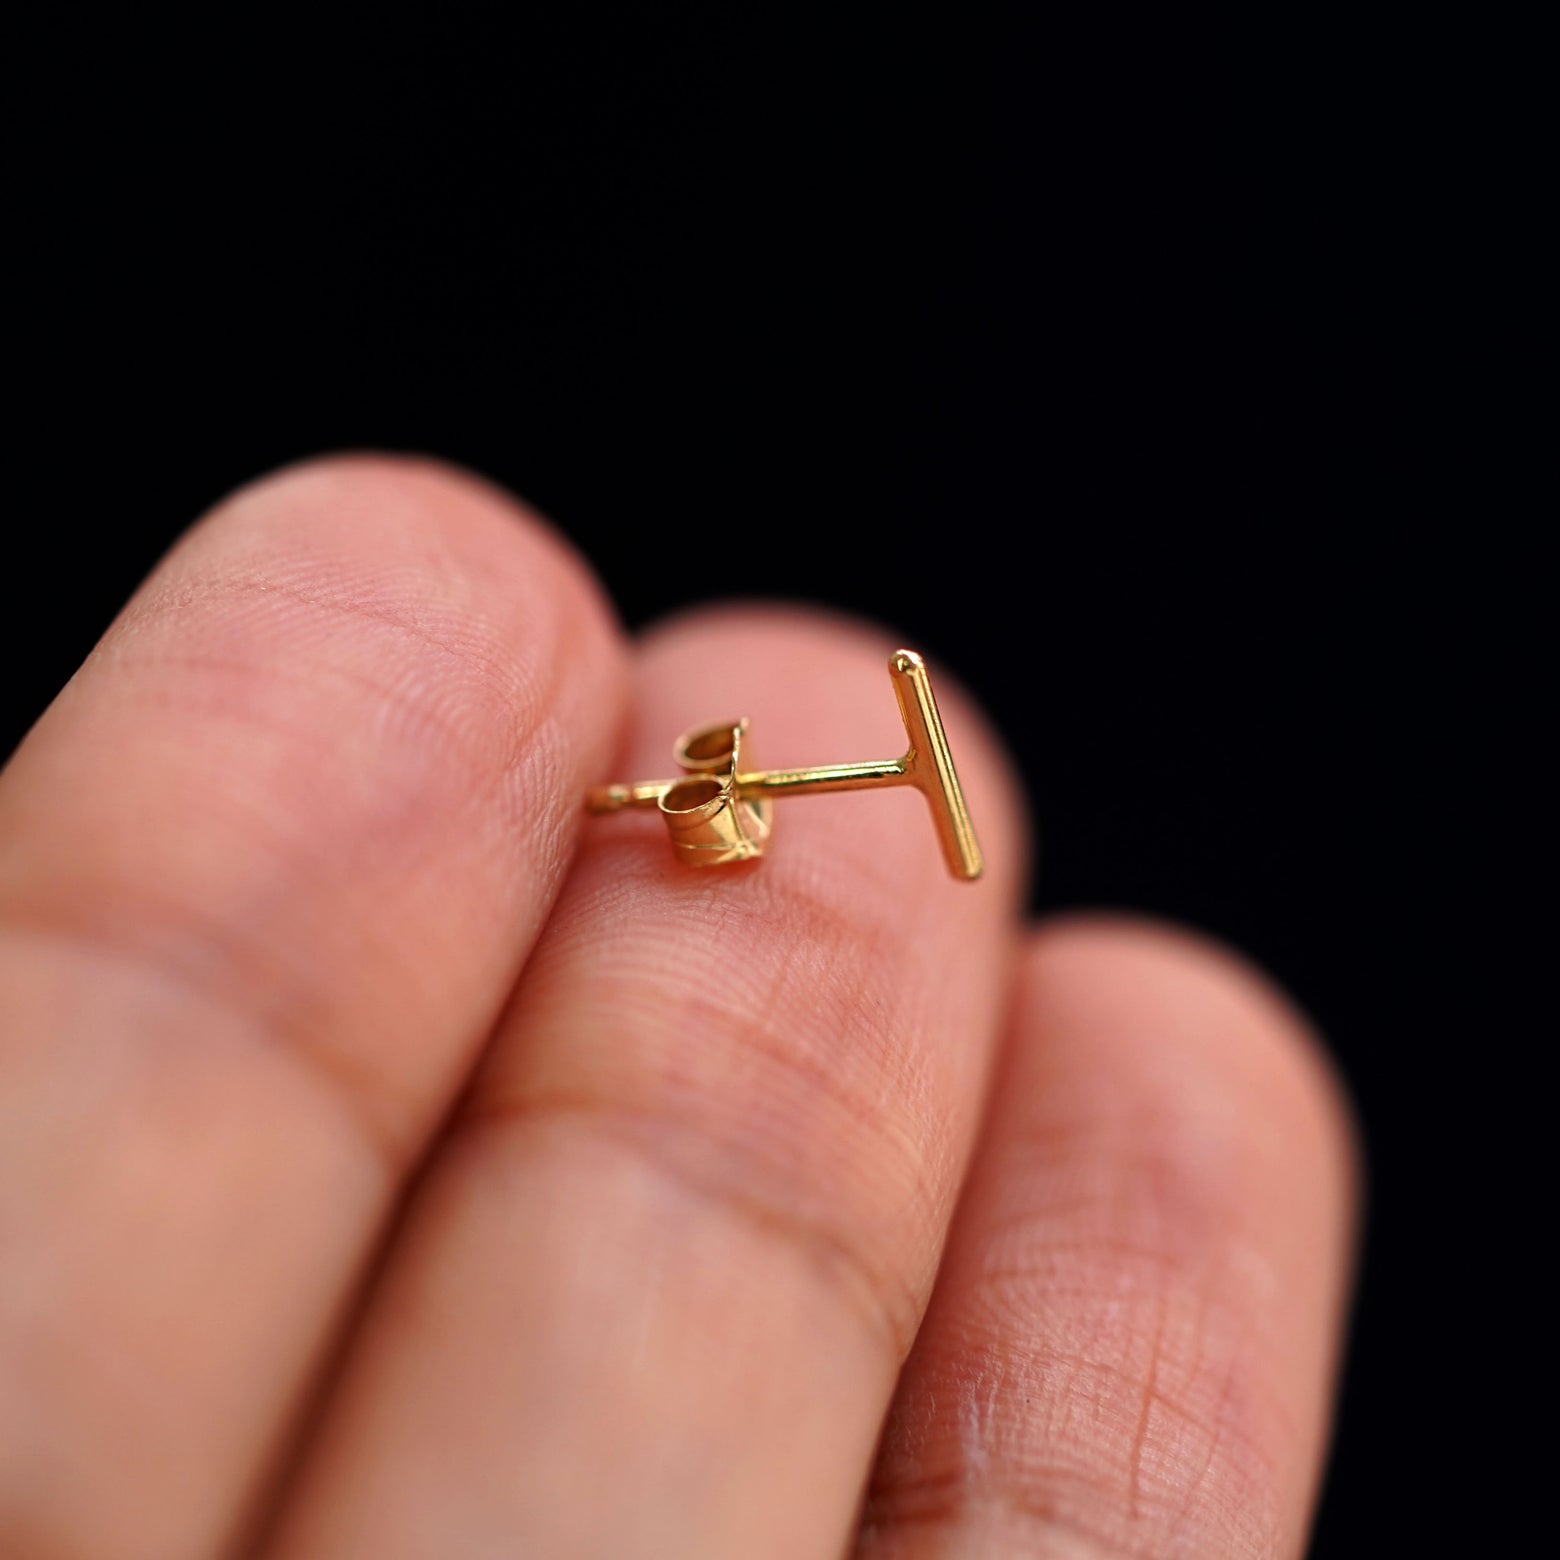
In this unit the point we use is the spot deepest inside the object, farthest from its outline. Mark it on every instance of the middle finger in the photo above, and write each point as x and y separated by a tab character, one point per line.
686	1226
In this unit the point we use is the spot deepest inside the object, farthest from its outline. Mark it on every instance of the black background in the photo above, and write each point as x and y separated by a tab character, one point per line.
1138	325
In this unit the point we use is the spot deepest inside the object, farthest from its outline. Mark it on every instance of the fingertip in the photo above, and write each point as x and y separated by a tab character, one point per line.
1207	1009
391	491
269	871
1138	1315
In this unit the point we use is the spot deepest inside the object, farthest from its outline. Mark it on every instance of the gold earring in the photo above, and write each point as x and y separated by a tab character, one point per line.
718	813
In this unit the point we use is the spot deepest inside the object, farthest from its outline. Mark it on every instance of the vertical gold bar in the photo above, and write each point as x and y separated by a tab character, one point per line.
930	764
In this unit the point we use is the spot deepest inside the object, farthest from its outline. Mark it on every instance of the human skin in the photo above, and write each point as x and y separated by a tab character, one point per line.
393	1165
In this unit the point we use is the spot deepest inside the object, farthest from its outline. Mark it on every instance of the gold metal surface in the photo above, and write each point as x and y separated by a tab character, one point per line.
719	813
710	822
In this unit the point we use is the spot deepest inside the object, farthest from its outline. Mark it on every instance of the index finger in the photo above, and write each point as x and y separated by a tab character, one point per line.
268	869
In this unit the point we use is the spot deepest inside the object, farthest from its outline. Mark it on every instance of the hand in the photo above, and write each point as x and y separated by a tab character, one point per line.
390	1168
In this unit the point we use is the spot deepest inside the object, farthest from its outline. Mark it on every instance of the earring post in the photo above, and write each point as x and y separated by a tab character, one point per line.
763	782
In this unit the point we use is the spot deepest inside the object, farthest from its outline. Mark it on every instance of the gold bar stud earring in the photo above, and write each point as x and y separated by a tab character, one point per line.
717	812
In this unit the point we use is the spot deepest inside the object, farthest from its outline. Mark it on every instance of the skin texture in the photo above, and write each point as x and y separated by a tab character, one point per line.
389	1167
1131	1344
